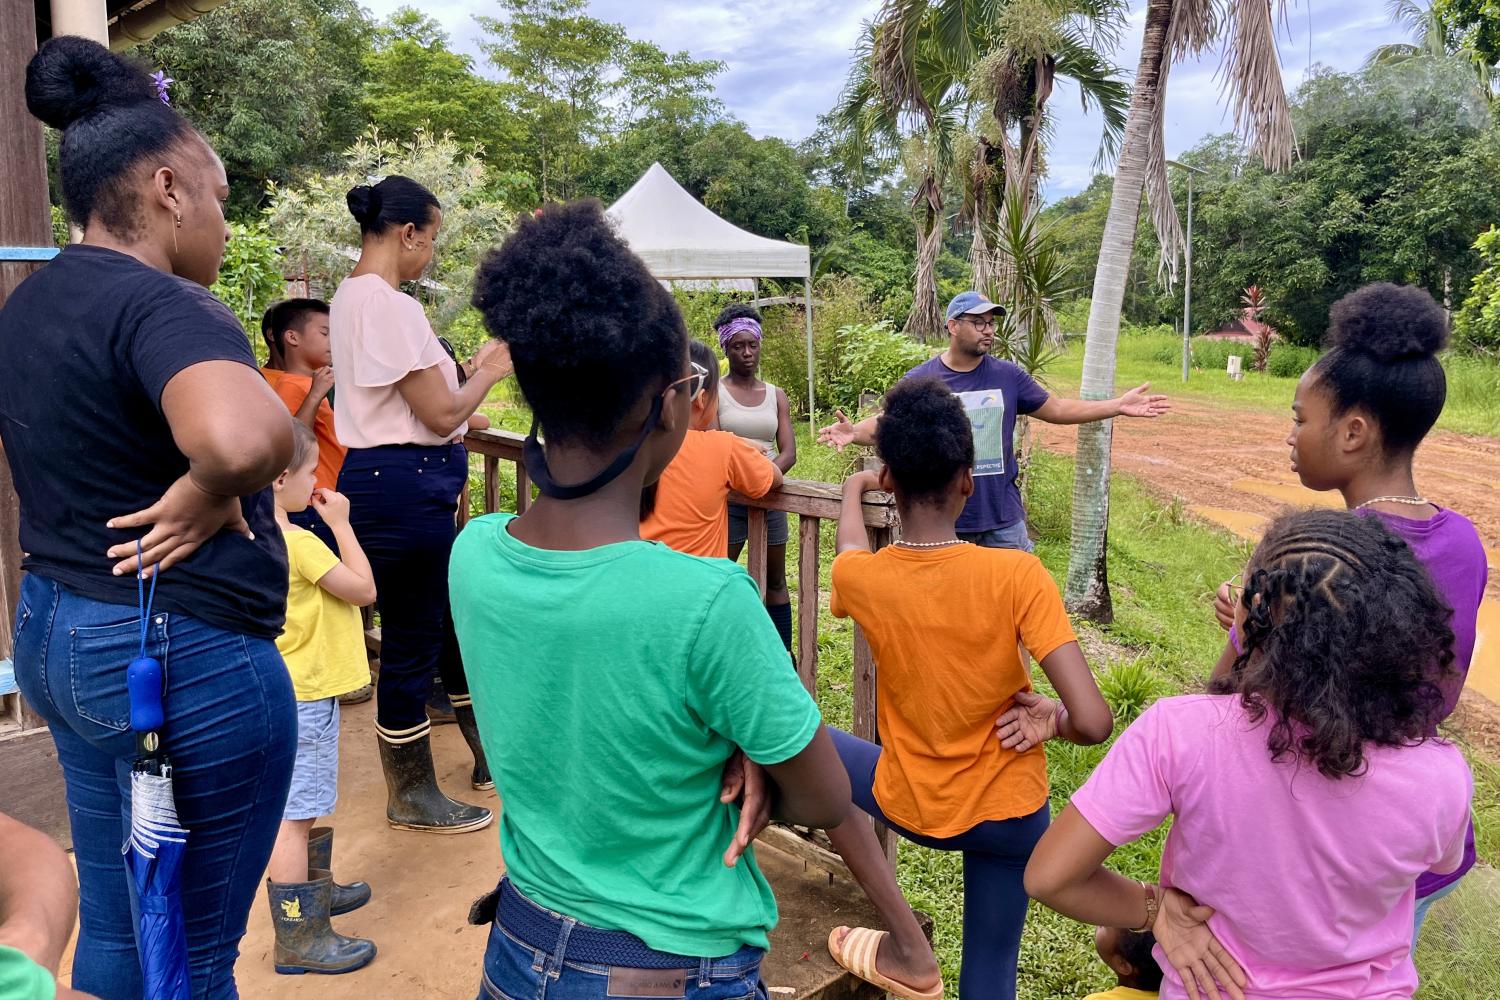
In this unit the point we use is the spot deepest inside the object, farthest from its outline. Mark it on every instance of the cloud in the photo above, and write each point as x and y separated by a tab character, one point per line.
786	61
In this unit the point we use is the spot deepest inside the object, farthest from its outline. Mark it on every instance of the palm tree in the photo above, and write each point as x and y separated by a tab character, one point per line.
1434	39
1006	58
1252	77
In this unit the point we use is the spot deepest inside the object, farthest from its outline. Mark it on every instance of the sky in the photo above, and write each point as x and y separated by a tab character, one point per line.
787	60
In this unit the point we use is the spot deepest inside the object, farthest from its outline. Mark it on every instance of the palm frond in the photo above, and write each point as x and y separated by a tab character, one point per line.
1100	86
897	32
1159	202
1252	76
1194	26
1389	55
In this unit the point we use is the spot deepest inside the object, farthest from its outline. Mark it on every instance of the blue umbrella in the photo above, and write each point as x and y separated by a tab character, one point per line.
157	841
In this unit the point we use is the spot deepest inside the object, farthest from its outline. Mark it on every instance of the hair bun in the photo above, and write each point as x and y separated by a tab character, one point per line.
1388	322
364	203
72	77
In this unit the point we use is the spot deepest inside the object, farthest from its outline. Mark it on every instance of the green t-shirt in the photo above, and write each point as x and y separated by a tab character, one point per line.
23	979
611	685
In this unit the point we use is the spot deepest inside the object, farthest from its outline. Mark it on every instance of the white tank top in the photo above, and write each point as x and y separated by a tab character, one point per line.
756	424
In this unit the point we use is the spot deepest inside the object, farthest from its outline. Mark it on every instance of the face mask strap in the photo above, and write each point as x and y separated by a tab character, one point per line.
536	462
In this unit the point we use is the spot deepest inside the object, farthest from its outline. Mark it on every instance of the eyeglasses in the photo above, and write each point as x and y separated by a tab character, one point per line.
981	322
696	381
1236	587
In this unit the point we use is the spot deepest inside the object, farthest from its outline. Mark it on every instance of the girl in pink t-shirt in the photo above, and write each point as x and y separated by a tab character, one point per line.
1306	793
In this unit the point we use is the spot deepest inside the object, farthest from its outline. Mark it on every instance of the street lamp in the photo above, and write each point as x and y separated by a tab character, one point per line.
1187	291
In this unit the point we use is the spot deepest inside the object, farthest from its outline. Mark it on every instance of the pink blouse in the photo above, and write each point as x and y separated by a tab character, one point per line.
379	336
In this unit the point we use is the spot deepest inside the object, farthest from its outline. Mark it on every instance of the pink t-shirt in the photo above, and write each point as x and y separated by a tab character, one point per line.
379	336
1313	880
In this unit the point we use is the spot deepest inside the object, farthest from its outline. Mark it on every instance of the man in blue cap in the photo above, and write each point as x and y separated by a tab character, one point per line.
994	392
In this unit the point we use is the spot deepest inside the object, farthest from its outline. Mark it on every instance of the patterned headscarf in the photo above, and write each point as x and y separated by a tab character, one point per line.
740	324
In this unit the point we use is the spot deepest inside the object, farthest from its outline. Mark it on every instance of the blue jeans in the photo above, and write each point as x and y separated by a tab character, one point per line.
1424	903
515	970
995	853
403	500
1012	536
231	731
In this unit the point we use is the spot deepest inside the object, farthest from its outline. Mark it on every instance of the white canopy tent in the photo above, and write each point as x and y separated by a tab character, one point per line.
680	239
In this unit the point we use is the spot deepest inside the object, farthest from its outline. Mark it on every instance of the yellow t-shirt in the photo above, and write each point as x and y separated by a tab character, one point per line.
1123	993
943	625
323	644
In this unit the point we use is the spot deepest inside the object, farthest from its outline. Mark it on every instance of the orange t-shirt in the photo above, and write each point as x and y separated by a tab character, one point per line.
943	625
692	496
293	390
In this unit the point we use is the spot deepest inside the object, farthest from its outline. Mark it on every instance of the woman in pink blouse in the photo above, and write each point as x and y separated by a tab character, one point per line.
402	410
1306	789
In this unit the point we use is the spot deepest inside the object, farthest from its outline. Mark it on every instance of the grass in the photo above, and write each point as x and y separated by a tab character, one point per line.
1164	567
1473	382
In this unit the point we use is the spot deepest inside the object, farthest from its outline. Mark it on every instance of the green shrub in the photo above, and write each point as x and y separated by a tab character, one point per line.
838	301
1476	325
1290	361
1130	687
1213	355
250	278
1073	317
873	357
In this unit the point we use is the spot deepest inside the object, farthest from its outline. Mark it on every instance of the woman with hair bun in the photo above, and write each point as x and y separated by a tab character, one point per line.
133	416
1357	418
402	410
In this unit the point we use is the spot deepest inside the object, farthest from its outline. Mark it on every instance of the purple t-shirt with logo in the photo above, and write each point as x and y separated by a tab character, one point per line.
1448	545
993	394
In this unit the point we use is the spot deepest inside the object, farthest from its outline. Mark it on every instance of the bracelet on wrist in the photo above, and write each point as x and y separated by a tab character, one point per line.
1152	905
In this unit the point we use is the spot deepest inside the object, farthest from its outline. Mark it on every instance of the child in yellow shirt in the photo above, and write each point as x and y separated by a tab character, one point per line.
324	651
1128	955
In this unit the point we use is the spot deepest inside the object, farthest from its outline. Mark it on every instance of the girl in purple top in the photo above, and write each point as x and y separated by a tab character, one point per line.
1357	419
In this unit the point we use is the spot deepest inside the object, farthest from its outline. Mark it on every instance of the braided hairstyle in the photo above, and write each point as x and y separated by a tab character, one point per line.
1383	341
924	438
1346	641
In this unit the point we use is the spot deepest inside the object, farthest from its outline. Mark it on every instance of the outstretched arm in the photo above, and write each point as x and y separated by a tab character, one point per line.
841	433
1135	403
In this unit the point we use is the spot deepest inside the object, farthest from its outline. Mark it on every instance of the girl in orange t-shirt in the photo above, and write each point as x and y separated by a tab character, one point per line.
687	508
962	766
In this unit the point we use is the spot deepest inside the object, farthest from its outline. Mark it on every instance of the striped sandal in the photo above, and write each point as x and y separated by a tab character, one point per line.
856	954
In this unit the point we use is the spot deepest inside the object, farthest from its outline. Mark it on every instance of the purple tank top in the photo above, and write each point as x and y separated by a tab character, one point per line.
1449	546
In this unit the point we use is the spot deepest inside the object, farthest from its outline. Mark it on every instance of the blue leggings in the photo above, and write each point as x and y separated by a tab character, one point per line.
995	855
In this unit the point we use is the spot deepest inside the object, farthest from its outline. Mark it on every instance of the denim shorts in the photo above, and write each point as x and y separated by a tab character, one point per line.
315	775
1012	536
739	525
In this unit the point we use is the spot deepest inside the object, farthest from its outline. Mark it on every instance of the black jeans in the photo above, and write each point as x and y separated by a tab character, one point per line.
402	504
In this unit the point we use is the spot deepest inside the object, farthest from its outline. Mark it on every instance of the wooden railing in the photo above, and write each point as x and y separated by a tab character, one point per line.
813	503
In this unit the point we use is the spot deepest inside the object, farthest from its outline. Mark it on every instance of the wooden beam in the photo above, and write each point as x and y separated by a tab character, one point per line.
33	783
808	585
755	547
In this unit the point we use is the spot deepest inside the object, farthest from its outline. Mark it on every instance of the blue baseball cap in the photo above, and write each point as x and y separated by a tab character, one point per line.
971	303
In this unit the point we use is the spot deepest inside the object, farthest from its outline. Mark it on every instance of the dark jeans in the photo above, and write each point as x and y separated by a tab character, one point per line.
516	970
231	731
402	504
995	855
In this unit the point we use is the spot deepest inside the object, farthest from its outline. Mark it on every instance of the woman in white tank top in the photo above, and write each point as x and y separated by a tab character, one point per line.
758	412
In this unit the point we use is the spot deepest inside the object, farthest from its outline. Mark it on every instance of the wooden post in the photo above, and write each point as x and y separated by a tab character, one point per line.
808	559
28	758
523	488
755	545
491	484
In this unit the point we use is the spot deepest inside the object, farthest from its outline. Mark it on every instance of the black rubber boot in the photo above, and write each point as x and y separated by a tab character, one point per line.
469	726
320	858
439	708
305	942
415	802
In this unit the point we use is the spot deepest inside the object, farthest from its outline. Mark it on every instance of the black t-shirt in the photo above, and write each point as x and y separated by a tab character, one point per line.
87	344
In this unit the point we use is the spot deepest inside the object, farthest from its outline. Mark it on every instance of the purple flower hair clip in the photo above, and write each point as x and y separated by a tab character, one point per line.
162	81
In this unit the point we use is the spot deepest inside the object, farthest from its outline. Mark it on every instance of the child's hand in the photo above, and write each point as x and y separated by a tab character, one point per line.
1224	607
322	382
744	781
863	481
332	506
1030	722
1190	947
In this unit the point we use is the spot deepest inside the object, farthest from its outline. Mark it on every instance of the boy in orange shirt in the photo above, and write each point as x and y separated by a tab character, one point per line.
943	618
686	509
300	370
